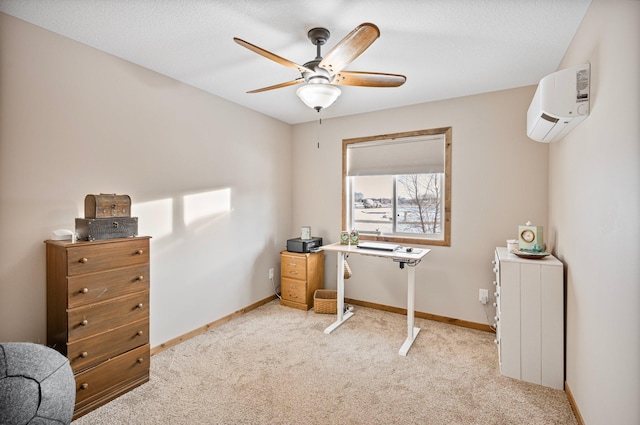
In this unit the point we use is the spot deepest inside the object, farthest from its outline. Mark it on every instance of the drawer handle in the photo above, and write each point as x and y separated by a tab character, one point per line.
83	260
139	252
85	322
140	360
84	290
293	272
84	354
139	333
140	305
140	278
84	386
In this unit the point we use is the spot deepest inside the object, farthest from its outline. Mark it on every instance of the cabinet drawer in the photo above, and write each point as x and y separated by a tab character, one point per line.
100	317
115	372
87	258
294	290
93	350
89	288
293	267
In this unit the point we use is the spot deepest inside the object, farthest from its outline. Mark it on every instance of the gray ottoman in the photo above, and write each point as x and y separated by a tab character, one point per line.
37	386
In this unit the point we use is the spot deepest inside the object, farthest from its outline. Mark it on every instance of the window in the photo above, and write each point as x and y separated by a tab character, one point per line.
397	187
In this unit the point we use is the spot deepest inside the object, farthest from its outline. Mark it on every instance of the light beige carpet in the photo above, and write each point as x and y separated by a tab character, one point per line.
274	365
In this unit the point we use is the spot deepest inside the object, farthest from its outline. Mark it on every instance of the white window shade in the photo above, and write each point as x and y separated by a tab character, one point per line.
420	155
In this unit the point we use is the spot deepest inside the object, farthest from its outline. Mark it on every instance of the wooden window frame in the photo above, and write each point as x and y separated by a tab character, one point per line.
448	142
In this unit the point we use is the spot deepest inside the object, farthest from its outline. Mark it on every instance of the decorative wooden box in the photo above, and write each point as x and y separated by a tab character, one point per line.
91	229
107	205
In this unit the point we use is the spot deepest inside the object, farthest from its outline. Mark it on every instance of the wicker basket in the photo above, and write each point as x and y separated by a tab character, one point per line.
325	301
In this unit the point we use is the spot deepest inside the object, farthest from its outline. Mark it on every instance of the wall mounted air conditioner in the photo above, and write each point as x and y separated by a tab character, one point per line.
561	103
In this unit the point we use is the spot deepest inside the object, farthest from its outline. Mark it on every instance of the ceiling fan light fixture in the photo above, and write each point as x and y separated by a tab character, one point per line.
318	96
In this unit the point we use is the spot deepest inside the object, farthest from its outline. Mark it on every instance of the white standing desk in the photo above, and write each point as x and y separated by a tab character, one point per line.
402	258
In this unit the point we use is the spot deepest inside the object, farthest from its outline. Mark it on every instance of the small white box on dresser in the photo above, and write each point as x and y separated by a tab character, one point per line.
530	318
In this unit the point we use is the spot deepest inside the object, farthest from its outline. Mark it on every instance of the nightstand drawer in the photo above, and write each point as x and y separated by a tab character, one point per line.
87	258
93	350
100	317
93	287
293	267
293	290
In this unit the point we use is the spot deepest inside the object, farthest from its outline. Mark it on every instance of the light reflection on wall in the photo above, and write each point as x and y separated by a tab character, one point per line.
206	204
156	217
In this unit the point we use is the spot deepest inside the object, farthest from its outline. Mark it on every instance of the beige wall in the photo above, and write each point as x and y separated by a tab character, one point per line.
499	182
74	121
595	215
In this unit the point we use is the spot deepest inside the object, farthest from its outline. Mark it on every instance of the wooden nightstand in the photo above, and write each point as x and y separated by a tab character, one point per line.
300	276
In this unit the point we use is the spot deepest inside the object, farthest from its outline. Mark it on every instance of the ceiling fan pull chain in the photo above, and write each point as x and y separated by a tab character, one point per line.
318	134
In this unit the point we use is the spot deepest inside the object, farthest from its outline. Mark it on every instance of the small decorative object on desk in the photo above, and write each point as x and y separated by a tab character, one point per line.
305	232
354	238
344	238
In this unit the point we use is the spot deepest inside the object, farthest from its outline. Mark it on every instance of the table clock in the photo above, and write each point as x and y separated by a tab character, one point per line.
530	236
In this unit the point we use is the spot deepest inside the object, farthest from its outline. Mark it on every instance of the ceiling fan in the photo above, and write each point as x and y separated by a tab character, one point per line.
322	75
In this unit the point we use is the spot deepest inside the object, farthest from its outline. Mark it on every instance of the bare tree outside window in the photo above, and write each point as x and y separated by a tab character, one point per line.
419	203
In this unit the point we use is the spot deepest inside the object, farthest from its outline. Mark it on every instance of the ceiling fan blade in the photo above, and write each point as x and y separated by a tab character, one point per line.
368	79
278	86
267	54
350	47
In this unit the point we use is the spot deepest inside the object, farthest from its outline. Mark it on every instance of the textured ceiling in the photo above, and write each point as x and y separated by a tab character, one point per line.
446	48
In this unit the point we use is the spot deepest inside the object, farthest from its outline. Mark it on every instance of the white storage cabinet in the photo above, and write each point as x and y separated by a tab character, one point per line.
530	318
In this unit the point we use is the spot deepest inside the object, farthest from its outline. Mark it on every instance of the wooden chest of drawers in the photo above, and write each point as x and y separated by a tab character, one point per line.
98	315
300	276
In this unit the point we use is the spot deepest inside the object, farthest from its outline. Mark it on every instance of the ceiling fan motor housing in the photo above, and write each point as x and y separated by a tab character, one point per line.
319	76
318	37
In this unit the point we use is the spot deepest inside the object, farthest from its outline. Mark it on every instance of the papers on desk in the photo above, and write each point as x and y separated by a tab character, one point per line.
378	245
389	247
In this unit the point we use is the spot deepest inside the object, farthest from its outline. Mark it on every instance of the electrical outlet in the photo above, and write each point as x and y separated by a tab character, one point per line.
483	296
270	273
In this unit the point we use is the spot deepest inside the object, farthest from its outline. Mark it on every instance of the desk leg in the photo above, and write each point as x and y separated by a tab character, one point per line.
412	332
342	316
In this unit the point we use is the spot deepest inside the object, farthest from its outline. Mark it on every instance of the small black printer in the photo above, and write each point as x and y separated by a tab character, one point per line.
303	245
